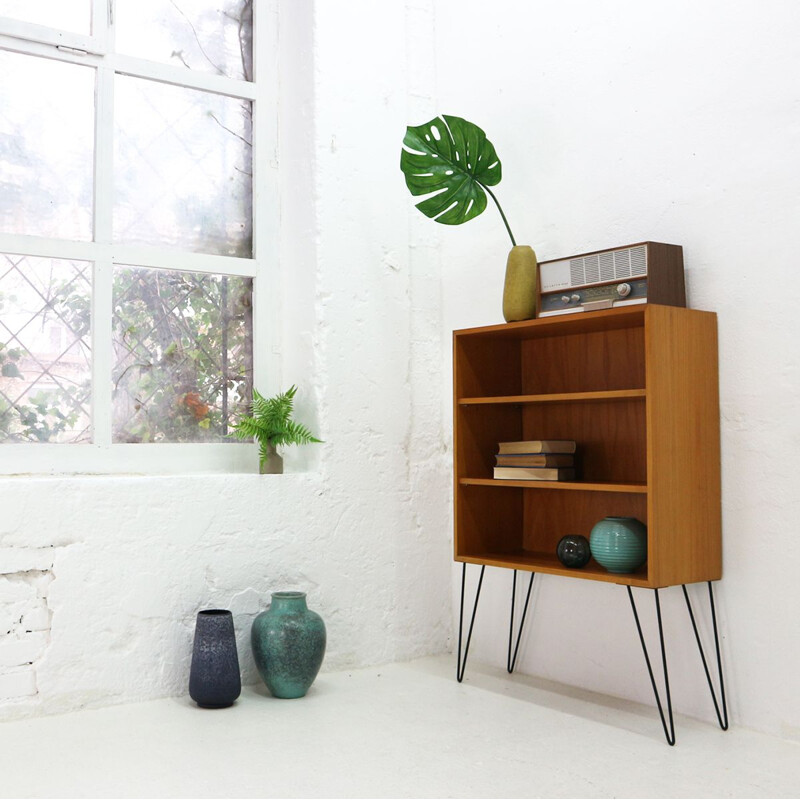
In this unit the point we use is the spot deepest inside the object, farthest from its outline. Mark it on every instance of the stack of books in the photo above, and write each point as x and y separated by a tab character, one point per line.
537	460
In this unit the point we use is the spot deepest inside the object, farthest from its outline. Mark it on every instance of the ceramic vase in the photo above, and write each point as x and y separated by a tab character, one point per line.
619	544
214	680
272	464
288	644
573	551
520	291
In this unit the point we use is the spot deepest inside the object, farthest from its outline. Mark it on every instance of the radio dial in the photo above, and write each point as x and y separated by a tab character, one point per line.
564	299
624	289
576	298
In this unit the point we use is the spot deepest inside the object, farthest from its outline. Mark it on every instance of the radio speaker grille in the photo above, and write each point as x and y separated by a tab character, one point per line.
614	265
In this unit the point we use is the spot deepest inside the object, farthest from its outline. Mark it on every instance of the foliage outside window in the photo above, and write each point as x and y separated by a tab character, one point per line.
126	221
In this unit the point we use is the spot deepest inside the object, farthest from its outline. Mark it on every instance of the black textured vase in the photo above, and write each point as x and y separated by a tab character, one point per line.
573	551
214	681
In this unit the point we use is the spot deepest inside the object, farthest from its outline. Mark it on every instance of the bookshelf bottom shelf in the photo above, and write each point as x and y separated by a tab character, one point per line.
546	563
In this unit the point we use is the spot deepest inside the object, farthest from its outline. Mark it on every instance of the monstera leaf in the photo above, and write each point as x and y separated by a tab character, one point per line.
451	160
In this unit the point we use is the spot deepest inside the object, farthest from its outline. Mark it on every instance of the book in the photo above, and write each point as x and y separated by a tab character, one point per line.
538	460
538	446
534	473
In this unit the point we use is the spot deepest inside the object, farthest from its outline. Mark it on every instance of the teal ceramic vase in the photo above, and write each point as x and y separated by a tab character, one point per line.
288	644
619	544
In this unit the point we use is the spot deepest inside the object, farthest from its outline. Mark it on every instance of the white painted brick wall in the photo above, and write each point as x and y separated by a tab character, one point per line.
25	559
589	162
17	684
16	599
17	651
25	579
17	589
354	522
36	618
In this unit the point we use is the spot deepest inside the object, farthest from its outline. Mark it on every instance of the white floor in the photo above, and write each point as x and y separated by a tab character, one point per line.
404	730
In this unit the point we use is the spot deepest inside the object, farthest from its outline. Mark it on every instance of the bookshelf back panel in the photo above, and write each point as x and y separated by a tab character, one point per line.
551	514
487	367
602	360
479	430
489	520
611	436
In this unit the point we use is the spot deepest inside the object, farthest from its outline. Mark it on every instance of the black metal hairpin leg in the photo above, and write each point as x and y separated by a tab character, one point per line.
722	717
461	665
669	732
512	661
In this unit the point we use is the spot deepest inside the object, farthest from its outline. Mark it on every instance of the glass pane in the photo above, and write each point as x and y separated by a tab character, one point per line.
183	355
207	35
45	359
68	15
46	147
183	168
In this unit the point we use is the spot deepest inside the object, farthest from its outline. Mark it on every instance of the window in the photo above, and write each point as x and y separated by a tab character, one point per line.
132	210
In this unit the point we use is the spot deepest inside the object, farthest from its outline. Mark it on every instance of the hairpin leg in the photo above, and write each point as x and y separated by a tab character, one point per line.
461	665
669	732
512	661
722	716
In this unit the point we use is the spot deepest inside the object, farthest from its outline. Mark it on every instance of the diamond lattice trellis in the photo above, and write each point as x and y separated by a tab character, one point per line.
45	354
183	355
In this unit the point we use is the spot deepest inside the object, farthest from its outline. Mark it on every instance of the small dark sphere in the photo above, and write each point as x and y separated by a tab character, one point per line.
574	551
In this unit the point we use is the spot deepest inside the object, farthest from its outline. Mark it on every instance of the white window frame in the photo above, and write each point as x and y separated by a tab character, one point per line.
102	456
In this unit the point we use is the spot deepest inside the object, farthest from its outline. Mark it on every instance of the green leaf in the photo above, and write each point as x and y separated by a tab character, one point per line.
294	433
11	370
454	159
271	423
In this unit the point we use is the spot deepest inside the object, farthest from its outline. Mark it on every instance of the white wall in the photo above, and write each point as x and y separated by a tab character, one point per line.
101	577
618	122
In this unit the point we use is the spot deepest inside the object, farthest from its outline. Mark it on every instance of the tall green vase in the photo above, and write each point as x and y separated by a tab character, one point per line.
288	643
521	288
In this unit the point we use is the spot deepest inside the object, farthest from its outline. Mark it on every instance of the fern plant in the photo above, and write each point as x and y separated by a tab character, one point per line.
271	424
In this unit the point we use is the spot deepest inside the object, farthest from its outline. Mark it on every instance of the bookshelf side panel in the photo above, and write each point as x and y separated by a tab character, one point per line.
683	459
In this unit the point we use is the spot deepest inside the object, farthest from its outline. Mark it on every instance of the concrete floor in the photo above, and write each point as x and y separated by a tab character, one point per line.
402	730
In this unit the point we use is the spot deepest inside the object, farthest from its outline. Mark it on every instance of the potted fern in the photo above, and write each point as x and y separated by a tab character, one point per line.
271	426
451	161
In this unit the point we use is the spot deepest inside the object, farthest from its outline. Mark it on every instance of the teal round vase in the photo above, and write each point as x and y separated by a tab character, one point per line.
619	544
288	644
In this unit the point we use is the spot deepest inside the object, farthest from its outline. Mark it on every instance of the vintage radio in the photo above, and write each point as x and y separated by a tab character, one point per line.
649	272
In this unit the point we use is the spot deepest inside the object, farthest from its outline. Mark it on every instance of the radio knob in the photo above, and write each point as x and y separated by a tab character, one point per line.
564	299
624	289
576	298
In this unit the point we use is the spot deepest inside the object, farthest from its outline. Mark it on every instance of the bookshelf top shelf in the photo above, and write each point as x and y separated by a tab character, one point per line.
582	486
561	397
578	324
611	319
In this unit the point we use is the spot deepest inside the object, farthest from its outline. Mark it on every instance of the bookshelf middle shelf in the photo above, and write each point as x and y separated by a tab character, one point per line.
561	397
582	486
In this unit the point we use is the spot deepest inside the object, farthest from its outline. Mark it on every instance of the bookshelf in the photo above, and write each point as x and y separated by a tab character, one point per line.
637	389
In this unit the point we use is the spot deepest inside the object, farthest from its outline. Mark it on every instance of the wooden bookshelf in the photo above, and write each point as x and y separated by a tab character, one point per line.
637	388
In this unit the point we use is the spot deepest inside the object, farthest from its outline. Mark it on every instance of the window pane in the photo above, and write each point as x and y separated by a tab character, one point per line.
183	351
69	15
183	168
207	35
46	147
45	362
